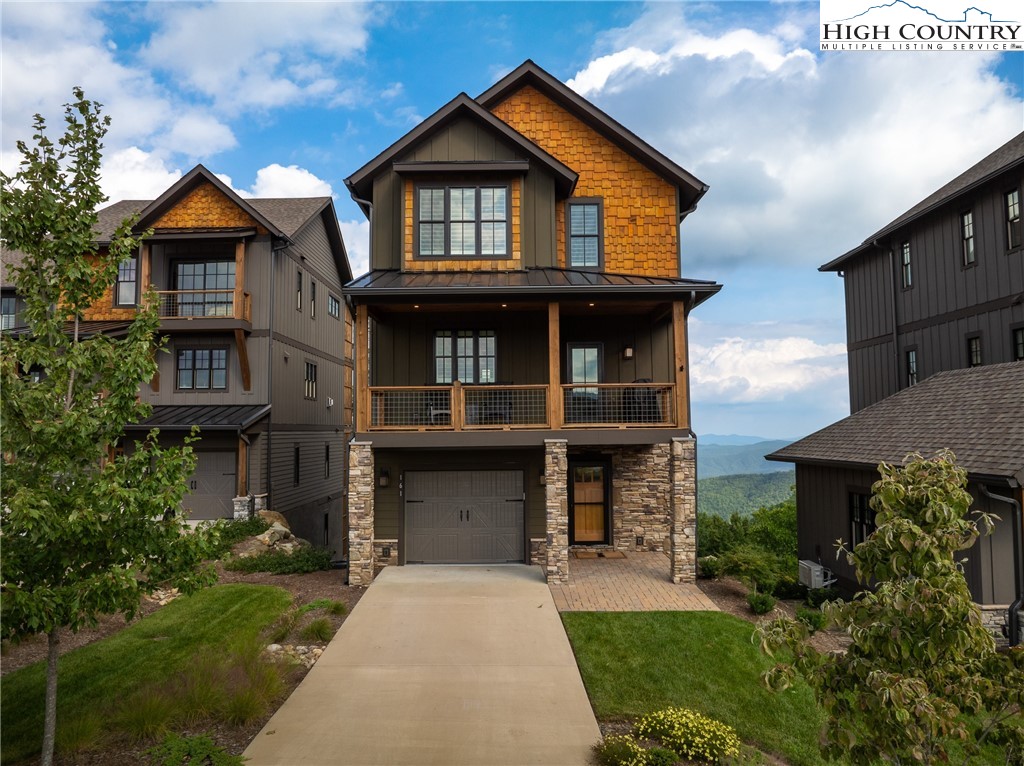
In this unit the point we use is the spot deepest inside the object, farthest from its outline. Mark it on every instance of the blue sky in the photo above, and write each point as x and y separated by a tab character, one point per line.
806	153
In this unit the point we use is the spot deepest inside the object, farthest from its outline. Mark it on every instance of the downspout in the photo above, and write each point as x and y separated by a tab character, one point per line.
895	334
1013	618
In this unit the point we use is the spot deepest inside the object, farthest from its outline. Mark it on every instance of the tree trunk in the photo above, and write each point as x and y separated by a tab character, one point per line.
50	722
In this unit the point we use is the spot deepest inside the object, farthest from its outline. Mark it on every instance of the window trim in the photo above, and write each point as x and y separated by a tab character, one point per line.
570	347
478	255
969	339
309	392
209	389
1014	330
580	202
906	266
134	260
968	250
312	298
863	527
333	306
298	289
1013	226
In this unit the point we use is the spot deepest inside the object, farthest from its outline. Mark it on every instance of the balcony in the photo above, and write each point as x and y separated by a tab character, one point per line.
525	407
204	305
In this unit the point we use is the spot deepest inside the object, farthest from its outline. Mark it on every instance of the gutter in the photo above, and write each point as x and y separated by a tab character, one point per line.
1013	618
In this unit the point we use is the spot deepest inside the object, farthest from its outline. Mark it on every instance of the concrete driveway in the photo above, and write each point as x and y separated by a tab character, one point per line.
456	665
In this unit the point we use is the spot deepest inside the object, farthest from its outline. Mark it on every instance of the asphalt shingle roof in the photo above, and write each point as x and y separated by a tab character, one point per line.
978	413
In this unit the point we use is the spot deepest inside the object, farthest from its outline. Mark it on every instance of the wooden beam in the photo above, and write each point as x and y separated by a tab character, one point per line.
554	368
239	302
146	268
679	364
243	468
243	359
362	368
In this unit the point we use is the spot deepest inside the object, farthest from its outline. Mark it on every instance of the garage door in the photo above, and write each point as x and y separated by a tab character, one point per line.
211	487
463	517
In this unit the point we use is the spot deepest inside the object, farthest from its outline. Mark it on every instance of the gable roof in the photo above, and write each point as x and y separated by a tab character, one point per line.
1006	157
690	187
360	183
977	412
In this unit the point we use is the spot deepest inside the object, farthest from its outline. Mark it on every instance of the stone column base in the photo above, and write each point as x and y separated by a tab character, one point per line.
360	513
556	489
684	511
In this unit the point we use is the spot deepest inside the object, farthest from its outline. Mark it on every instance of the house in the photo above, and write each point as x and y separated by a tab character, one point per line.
520	357
940	287
257	350
935	336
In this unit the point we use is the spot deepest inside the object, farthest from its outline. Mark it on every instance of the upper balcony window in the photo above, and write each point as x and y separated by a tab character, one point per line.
469	356
462	221
9	312
586	237
125	288
1013	235
204	288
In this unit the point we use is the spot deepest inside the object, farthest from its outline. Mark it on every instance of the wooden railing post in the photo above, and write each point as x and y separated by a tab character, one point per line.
457	405
239	306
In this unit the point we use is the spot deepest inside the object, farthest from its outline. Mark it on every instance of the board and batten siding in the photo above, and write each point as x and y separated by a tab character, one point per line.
169	392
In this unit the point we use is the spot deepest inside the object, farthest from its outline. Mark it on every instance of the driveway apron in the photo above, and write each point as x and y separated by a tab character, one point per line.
453	665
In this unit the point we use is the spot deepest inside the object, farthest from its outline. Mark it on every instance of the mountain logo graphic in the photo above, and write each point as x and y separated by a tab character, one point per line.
965	16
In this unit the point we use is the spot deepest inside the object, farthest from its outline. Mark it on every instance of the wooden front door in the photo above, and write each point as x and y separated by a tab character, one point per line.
589	509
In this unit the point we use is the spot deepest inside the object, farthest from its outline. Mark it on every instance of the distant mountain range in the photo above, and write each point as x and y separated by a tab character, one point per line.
743	494
733	454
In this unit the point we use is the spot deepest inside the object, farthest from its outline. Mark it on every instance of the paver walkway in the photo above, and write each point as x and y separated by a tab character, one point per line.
454	666
637	583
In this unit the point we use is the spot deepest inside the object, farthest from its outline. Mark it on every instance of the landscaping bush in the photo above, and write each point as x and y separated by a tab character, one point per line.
690	734
660	756
814	619
319	629
229	532
709	567
789	587
755	566
760	603
179	751
301	561
620	750
818	596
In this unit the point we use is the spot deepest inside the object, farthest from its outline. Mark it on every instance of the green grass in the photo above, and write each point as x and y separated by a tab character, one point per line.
150	652
639	662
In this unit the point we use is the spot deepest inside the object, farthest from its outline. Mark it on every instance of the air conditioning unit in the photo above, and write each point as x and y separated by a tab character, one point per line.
814	575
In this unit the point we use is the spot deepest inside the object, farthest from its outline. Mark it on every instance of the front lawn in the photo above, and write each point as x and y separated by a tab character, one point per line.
149	652
639	662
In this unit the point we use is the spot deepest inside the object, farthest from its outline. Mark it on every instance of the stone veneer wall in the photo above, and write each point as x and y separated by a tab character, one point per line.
556	473
360	514
683	551
538	551
641	488
379	559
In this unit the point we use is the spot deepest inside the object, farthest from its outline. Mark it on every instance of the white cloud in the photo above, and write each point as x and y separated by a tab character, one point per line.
134	174
357	242
197	134
292	181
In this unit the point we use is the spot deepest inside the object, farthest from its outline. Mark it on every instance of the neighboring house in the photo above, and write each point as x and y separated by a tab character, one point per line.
935	335
258	342
942	286
521	359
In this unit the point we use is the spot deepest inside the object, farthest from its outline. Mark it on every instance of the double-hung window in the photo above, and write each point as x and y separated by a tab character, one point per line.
310	387
967	237
912	367
906	274
1018	344
312	299
125	288
1013	234
333	306
585	235
8	312
202	369
469	356
462	221
862	518
974	351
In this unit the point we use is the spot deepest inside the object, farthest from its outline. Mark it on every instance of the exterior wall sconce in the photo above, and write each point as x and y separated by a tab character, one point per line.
627	352
384	477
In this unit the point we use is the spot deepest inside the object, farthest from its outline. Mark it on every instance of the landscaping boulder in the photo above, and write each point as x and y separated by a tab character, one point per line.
273	517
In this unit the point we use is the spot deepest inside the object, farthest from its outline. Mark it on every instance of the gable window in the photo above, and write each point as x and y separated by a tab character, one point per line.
333	306
462	221
967	237
906	275
1013	236
974	351
125	287
298	289
310	389
585	234
205	288
8	312
912	367
469	356
312	299
202	369
1018	344
862	517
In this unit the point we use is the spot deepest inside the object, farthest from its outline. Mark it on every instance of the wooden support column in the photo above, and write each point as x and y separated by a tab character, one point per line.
239	302
145	268
554	368
457	406
362	368
243	468
679	364
243	359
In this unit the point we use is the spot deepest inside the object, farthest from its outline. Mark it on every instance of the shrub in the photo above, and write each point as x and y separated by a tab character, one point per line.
146	715
789	587
336	608
178	751
283	627
760	603
691	735
814	619
710	567
301	561
620	750
716	535
773	528
818	596
660	756
319	629
79	732
229	532
755	566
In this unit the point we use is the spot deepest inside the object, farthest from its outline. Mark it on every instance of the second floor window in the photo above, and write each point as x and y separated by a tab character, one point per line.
967	236
974	351
333	306
8	312
469	356
298	289
584	241
125	288
1018	344
205	288
202	369
912	367
906	275
312	299
862	518
462	221
310	388
1013	236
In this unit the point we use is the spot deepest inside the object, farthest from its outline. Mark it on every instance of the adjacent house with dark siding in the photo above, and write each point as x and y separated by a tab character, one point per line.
521	361
935	340
258	343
